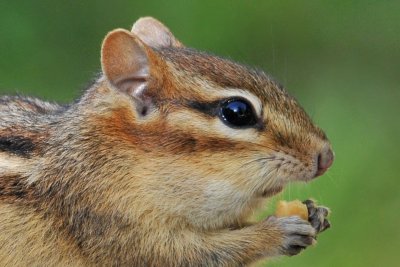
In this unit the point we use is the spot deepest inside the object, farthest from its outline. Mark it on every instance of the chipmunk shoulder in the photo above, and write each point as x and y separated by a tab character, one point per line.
159	163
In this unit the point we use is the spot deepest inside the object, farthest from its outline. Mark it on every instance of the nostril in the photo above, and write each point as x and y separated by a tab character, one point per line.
325	160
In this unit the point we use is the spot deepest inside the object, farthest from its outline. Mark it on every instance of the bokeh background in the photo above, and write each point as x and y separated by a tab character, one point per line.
341	59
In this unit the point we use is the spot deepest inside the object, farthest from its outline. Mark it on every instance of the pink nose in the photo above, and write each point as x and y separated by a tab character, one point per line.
325	160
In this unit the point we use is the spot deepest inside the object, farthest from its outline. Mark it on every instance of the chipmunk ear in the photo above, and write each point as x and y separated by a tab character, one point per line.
154	33
125	61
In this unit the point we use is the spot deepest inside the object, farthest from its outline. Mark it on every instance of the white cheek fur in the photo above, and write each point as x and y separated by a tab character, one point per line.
223	200
11	164
218	192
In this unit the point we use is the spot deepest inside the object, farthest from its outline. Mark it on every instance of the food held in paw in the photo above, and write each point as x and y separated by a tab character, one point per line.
292	208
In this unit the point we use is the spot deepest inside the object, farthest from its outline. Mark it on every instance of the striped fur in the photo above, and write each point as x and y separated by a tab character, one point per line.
103	183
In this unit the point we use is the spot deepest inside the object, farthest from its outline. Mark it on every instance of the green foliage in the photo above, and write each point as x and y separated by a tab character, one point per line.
341	59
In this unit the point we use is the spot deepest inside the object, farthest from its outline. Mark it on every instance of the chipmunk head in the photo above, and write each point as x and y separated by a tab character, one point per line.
203	136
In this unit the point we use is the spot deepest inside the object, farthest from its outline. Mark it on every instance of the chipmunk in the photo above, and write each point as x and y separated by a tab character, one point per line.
160	163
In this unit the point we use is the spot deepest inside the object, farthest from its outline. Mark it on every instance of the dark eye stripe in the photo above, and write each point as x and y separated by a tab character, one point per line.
213	109
20	146
207	108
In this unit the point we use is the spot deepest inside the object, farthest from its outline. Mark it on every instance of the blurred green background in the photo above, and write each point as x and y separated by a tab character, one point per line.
341	59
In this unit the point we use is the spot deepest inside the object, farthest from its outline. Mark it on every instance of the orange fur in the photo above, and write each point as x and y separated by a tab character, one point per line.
133	175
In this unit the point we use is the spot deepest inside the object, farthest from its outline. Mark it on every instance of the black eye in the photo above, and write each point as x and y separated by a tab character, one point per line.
237	112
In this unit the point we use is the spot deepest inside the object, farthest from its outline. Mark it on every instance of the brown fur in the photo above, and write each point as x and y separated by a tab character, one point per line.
119	179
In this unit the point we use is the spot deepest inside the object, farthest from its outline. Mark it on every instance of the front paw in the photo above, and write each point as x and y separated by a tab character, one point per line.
317	216
297	234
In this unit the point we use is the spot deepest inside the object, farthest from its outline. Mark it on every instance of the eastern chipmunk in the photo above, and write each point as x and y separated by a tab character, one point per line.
159	163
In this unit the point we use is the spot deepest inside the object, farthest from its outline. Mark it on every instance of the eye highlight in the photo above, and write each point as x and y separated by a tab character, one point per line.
237	113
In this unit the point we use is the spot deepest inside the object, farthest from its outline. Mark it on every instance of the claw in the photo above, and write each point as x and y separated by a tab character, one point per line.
317	216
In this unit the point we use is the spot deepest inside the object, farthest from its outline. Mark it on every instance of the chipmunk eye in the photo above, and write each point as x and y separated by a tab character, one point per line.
237	112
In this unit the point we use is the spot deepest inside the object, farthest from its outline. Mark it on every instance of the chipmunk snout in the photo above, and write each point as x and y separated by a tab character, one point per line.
324	160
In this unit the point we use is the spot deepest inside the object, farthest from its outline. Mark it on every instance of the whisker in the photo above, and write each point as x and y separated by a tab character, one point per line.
265	159
270	148
332	179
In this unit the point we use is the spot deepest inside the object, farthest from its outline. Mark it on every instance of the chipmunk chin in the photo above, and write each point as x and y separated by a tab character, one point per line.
271	191
278	187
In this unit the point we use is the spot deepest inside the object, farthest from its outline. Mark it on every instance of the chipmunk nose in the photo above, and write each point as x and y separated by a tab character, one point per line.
324	160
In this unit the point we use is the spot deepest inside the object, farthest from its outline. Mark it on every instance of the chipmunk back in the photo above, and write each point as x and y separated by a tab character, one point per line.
159	163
